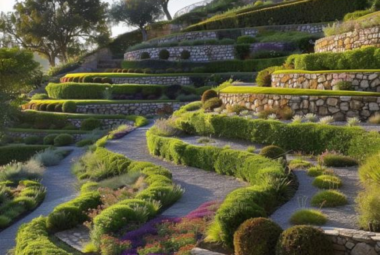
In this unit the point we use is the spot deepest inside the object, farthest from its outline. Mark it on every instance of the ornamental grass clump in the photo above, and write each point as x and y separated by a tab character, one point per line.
352	122
334	159
311	117
299	164
166	127
375	119
329	198
316	171
326	120
273	152
297	119
308	217
327	182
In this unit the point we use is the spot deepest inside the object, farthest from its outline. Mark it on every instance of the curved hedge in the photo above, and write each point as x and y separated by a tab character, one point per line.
240	205
19	153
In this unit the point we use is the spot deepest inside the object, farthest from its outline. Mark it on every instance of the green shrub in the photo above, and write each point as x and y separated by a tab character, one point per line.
19	153
316	171
63	140
78	90
308	217
51	107
329	198
264	77
49	139
185	55
369	172
40	96
246	39
273	152
257	237
368	205
212	103
91	124
145	55
304	240
4	221
208	94
32	140
69	107
84	142
242	51
365	58
299	164
164	54
343	85
336	160
327	182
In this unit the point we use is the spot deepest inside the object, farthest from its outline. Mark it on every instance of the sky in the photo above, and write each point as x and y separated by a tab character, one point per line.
174	6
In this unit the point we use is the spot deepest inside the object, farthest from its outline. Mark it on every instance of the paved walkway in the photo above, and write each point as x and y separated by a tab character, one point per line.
200	186
60	185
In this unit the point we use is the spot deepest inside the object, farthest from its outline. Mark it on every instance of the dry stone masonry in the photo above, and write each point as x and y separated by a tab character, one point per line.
144	109
106	123
340	107
353	242
350	40
361	81
161	80
23	135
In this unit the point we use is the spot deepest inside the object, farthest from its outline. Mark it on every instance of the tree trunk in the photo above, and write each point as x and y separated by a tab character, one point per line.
166	11
144	34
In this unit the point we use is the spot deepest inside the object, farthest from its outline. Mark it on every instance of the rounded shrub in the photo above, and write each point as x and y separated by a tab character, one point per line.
329	198
43	107
185	55
212	103
51	107
208	94
33	139
164	54
144	55
257	236
49	139
308	217
327	182
246	39
316	171
69	106
63	140
264	77
304	240
58	108
27	202
273	152
333	160
4	221
84	142
91	124
66	217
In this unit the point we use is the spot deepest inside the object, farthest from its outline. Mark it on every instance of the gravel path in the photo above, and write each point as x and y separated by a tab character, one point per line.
60	185
200	186
341	217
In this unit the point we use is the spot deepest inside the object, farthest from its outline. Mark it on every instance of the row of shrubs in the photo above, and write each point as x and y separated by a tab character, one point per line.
242	204
19	153
127	91
87	79
250	65
299	12
67	107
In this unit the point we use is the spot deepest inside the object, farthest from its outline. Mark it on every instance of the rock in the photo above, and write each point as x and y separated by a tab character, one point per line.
363	249
373	107
350	245
332	101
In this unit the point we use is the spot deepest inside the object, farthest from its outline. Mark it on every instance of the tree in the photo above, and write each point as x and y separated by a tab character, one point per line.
137	13
18	74
53	27
164	5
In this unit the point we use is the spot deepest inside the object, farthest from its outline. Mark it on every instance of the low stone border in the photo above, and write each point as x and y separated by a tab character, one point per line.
161	80
142	109
106	123
77	137
340	107
350	40
361	81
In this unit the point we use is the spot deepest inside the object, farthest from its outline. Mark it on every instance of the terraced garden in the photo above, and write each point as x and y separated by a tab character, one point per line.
248	131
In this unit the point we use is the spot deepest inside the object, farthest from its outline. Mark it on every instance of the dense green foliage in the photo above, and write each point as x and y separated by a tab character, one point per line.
19	153
298	12
336	160
329	198
304	240
308	217
257	236
273	152
327	182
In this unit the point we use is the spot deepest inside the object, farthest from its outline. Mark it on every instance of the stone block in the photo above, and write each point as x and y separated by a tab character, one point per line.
363	249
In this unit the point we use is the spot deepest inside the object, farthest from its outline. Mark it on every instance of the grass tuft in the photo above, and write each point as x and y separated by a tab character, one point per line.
308	217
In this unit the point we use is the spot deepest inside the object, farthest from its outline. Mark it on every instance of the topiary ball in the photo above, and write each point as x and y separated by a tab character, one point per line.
63	140
273	152
212	103
185	55
257	236
69	106
164	54
208	94
303	240
145	55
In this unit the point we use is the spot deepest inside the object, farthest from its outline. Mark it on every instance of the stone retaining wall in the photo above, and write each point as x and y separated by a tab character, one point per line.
361	81
161	80
206	53
77	137
143	109
107	124
340	107
205	35
350	40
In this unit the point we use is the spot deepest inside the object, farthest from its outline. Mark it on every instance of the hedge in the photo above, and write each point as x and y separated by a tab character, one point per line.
312	138
300	12
366	58
296	92
19	153
252	65
240	205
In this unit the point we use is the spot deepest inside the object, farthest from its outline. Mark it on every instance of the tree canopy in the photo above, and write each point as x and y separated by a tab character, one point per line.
136	13
56	28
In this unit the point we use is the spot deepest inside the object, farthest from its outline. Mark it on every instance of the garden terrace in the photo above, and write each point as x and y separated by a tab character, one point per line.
339	104
360	80
298	12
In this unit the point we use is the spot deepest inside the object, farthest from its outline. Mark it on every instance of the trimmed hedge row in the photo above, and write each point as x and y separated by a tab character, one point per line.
19	153
263	173
311	138
251	65
366	58
300	12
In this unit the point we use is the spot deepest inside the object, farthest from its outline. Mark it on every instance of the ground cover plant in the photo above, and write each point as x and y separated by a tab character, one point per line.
308	217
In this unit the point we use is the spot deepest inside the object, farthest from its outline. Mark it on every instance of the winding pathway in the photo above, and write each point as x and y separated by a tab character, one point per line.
200	186
60	185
